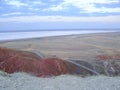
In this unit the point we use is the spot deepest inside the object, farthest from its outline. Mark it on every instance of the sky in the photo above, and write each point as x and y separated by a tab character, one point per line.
23	15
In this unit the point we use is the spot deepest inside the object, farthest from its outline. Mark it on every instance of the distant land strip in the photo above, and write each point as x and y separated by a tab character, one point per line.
38	30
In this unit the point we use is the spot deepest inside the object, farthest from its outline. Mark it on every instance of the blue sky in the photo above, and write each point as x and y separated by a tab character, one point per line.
59	14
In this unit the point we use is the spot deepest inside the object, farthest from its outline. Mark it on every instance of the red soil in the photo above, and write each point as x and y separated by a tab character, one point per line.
19	61
108	57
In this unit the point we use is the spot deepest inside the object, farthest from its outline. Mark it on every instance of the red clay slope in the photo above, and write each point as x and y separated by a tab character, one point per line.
108	57
19	61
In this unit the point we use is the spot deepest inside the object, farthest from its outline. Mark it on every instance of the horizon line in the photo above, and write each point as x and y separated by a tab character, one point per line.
37	30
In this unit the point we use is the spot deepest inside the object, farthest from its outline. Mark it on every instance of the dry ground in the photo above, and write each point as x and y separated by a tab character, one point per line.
83	47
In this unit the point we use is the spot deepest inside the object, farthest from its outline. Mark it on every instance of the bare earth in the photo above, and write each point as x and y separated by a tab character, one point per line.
81	47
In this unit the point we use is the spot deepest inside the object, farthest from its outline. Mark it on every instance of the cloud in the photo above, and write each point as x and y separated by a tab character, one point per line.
101	10
19	3
90	1
34	5
31	5
66	7
34	9
16	3
36	18
14	13
54	8
88	6
38	3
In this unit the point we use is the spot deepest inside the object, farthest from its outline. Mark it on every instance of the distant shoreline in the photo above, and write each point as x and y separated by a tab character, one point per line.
39	30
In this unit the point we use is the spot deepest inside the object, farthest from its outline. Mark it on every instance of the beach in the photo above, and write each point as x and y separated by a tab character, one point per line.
83	47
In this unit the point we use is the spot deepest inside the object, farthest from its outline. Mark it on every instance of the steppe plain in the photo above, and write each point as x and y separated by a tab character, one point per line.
78	46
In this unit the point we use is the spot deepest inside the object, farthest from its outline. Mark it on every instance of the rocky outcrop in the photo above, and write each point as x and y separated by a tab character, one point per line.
108	64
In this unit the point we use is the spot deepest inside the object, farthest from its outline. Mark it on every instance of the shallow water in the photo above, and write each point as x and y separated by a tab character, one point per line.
34	34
